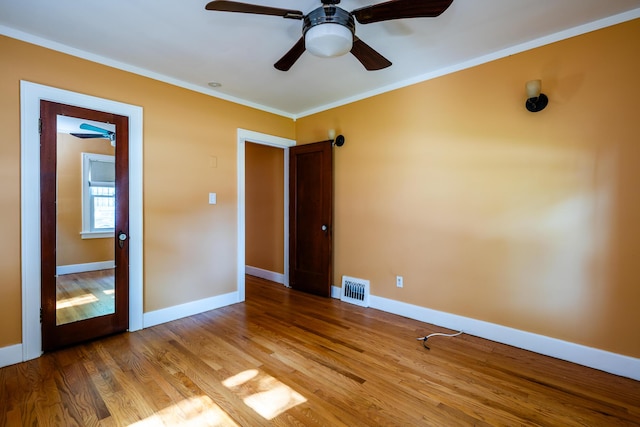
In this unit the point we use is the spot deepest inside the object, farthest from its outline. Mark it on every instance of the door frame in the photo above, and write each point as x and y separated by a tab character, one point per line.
30	96
243	137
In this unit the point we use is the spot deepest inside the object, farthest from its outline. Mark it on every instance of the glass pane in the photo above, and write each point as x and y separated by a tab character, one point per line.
84	295
85	284
104	208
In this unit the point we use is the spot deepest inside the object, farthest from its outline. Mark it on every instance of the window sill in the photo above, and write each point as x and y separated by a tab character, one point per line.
97	234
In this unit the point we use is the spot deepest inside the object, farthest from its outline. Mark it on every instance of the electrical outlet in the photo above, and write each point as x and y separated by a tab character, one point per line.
399	281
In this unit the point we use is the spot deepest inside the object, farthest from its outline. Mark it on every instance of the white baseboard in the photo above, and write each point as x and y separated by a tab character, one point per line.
10	355
176	312
613	363
265	274
82	268
13	354
606	361
336	292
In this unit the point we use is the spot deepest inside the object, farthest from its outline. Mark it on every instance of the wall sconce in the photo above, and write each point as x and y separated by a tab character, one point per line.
336	140
536	101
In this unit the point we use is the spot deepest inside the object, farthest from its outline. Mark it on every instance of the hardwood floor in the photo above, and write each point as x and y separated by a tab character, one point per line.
84	295
290	359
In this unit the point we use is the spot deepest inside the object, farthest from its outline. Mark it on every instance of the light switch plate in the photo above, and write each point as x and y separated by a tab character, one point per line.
212	198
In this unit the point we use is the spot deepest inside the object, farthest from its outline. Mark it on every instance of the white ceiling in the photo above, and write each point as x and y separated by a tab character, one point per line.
179	42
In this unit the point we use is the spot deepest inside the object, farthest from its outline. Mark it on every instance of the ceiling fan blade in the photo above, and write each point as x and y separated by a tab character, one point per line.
89	135
399	9
234	6
87	126
291	57
368	57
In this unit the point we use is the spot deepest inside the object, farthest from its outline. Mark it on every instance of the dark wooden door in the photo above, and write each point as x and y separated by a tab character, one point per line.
311	218
58	335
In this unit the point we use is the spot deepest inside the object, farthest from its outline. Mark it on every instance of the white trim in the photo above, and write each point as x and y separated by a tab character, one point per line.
87	217
336	292
192	308
613	363
274	141
10	355
561	35
83	268
87	235
265	274
59	47
474	62
30	96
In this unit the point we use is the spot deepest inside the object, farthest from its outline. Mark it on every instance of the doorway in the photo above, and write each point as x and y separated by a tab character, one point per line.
265	209
243	137
30	96
84	214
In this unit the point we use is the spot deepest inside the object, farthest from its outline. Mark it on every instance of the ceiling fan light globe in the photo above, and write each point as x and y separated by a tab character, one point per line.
328	40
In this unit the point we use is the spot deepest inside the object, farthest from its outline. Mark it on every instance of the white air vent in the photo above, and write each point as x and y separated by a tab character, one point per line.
355	291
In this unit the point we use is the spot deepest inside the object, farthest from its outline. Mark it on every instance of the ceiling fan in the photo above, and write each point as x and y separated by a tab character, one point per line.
329	31
97	132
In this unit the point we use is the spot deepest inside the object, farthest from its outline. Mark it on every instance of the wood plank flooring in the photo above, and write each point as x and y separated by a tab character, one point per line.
84	295
286	358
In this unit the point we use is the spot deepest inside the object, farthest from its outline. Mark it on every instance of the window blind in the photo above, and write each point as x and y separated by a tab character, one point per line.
102	174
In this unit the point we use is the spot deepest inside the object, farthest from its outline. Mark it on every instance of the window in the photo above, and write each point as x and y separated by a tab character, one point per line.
98	195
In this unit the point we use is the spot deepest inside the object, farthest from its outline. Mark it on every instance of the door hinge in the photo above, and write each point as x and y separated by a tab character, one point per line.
40	314
40	125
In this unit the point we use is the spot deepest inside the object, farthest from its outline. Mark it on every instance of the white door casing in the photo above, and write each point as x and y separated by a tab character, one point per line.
245	136
30	96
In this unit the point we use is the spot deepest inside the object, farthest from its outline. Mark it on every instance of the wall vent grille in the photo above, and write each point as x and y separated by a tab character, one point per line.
355	291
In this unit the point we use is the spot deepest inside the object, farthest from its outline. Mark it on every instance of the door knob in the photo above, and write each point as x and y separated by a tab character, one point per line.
121	238
324	227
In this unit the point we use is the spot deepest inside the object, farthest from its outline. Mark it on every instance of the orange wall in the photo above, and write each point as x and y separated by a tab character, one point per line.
488	211
531	221
264	207
189	246
71	248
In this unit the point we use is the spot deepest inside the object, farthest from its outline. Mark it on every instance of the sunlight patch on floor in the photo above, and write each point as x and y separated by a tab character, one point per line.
75	301
196	411
263	393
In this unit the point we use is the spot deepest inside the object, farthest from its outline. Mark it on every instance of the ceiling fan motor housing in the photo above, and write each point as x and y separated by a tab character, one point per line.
335	38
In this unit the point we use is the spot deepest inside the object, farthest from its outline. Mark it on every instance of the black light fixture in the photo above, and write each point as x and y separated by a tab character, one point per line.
338	141
536	101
